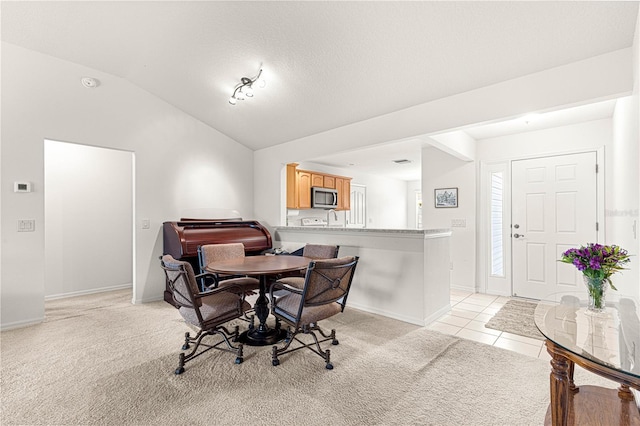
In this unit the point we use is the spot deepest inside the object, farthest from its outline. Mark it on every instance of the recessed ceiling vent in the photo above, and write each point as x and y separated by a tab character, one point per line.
404	161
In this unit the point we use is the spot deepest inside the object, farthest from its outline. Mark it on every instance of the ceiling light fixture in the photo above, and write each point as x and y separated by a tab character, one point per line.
244	89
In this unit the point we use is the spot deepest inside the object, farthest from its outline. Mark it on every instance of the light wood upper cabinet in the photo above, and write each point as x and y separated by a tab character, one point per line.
299	183
304	190
292	187
330	182
317	180
298	188
343	185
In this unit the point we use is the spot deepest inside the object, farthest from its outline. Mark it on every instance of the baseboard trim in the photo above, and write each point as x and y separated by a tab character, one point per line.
86	292
410	320
148	300
463	288
21	324
431	318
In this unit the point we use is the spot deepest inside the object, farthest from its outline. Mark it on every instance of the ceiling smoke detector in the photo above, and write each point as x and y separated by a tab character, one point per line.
403	161
89	82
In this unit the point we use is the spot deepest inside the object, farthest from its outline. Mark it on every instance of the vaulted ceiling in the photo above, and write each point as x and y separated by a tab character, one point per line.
327	64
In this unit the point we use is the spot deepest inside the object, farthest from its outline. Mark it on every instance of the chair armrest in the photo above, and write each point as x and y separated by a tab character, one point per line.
206	274
232	288
282	286
207	280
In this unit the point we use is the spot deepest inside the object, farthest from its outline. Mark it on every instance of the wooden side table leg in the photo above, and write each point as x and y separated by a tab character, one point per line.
559	385
572	386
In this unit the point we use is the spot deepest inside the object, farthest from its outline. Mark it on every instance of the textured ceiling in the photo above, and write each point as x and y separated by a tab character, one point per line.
327	64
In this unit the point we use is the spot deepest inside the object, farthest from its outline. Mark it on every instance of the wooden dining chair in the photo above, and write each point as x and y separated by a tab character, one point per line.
323	295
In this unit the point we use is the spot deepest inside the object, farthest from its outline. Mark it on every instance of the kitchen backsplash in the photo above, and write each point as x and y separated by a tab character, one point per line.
294	217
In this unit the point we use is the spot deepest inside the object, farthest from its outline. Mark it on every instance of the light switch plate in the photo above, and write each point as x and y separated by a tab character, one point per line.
26	225
458	223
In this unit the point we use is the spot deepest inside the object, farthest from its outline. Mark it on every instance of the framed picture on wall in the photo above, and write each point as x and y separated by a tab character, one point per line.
446	197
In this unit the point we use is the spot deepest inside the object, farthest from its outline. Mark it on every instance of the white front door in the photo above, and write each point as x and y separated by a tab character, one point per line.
554	208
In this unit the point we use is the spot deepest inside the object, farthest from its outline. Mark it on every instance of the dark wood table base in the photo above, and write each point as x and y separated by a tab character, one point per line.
587	405
262	334
267	337
264	267
594	405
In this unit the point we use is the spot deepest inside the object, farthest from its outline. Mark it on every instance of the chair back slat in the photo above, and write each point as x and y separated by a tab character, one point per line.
182	281
216	252
328	280
320	251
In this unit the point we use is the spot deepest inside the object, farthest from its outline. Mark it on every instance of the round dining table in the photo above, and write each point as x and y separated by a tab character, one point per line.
264	267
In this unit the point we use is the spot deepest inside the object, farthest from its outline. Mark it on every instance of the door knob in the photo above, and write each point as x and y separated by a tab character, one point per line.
518	235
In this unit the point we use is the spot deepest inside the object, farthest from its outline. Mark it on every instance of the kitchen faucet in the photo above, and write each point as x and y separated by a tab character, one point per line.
335	215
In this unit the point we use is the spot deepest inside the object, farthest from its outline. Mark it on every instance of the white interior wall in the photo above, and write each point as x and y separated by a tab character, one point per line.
88	216
589	135
181	166
413	187
386	201
442	170
622	192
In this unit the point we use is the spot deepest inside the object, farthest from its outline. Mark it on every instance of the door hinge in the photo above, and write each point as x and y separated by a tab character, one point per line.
597	226
596	168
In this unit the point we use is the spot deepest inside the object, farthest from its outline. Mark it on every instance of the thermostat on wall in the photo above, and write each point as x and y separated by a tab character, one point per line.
21	186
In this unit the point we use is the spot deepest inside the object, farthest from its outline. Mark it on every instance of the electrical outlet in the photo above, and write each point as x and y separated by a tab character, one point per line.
458	223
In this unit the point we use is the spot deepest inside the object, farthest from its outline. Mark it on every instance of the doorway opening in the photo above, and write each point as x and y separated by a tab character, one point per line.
89	235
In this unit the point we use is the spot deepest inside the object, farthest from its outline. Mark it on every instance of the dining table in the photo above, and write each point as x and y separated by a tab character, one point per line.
265	267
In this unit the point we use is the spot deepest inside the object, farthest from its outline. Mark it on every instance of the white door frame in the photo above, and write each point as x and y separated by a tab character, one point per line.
485	170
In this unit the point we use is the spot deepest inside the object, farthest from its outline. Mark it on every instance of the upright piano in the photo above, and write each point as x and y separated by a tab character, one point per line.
182	238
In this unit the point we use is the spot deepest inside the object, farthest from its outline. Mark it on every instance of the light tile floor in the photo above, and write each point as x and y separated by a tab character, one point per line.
471	311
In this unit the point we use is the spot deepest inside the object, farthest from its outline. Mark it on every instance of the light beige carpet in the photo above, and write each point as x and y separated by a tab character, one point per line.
516	317
100	360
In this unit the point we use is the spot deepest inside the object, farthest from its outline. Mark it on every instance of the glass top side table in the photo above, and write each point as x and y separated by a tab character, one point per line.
607	344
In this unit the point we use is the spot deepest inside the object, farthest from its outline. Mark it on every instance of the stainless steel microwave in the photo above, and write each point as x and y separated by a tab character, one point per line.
324	198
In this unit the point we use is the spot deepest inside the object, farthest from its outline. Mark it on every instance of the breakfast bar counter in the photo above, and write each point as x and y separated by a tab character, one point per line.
402	273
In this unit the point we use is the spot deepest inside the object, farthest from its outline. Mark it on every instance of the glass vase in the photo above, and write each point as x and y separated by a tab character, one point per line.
597	289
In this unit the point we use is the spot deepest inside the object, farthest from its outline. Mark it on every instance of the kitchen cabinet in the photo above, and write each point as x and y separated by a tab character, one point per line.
299	183
304	190
343	185
329	182
298	188
317	180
